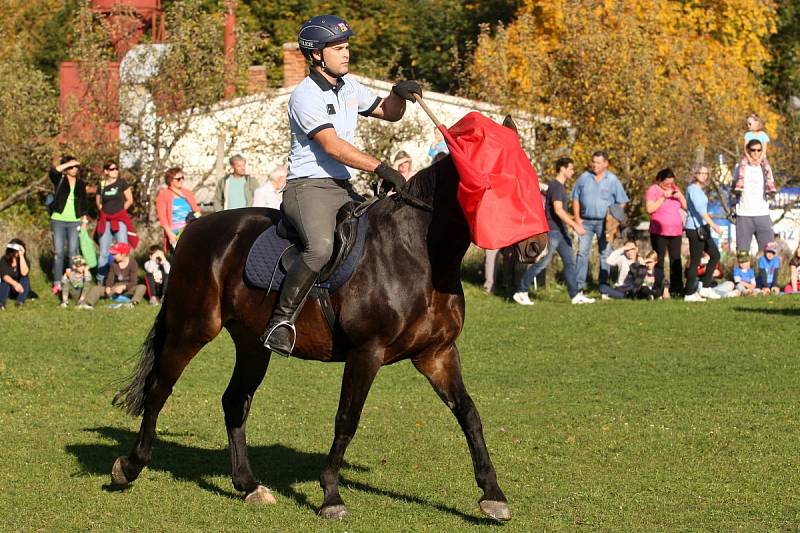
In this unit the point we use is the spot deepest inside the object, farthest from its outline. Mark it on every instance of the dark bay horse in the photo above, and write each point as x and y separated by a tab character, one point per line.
404	301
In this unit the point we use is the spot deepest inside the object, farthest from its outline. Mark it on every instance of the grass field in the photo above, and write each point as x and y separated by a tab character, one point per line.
620	416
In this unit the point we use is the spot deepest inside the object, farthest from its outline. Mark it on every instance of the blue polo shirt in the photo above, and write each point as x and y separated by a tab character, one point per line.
596	197
316	105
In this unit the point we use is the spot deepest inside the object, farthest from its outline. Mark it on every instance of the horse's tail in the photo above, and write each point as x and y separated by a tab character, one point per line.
132	396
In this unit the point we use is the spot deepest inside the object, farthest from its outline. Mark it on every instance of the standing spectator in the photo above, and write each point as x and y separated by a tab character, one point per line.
14	271
558	237
438	146
156	274
752	210
698	230
743	275
794	273
403	164
755	131
271	193
490	265
664	201
175	206
122	281
67	210
768	266
594	193
114	198
236	189
76	283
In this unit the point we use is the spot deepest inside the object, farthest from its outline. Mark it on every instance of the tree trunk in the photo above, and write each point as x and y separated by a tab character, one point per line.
22	193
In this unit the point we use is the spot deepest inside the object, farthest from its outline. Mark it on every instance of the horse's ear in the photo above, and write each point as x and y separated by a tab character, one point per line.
508	122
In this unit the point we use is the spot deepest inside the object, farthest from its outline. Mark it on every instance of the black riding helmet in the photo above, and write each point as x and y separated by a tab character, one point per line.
321	30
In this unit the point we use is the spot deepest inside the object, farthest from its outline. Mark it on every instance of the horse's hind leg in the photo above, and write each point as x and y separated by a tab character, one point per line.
176	353
356	382
251	366
443	370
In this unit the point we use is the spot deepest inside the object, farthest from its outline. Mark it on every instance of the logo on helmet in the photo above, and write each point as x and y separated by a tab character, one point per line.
342	27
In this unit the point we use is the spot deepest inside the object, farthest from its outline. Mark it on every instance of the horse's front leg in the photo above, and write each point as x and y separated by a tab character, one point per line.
251	366
359	373
443	370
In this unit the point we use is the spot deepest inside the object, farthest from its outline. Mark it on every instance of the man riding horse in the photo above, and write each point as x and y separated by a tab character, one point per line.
323	111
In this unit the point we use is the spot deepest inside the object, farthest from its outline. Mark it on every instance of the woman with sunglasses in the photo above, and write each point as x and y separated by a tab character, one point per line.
175	206
752	209
698	230
114	197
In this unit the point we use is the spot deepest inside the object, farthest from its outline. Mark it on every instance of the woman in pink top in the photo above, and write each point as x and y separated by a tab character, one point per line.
175	205
664	201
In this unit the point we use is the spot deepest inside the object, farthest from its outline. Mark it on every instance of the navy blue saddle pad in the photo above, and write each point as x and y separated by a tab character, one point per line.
260	268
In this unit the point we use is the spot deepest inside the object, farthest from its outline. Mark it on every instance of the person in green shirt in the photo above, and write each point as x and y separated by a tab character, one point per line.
67	209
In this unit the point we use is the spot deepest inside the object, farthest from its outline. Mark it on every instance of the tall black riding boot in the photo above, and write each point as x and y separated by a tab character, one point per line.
280	335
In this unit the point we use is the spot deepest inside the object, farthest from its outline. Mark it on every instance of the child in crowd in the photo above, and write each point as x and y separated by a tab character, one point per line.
743	275
76	283
755	131
121	284
653	285
14	272
722	287
768	265
794	273
630	272
157	272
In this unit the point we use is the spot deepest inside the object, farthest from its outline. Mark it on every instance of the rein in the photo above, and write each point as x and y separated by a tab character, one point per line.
413	201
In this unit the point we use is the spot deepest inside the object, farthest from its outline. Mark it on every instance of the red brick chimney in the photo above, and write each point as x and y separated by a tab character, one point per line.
256	79
294	64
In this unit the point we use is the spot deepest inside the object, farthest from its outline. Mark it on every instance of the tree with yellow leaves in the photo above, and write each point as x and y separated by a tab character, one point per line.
648	80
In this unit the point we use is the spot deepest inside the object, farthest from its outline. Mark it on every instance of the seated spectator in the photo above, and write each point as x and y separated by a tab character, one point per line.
403	164
768	266
271	193
76	283
156	272
743	275
14	271
794	273
643	280
121	284
623	258
722	288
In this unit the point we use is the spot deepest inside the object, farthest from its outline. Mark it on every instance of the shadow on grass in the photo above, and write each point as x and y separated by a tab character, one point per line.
788	311
281	467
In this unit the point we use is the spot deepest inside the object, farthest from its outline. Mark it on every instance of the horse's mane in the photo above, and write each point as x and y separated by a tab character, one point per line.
422	185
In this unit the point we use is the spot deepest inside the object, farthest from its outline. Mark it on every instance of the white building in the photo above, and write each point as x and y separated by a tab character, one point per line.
256	126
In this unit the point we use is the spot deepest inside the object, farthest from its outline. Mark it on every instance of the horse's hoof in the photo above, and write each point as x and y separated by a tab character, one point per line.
333	512
496	510
118	478
260	496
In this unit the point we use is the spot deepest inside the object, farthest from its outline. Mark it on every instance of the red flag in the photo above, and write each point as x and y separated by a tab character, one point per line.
498	190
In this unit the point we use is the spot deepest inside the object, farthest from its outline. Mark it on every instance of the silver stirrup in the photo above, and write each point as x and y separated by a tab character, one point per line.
284	323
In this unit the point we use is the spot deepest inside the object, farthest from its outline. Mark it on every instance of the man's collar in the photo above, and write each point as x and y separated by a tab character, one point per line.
323	83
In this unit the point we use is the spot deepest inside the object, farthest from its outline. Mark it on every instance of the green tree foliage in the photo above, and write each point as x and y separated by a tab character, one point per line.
424	39
28	105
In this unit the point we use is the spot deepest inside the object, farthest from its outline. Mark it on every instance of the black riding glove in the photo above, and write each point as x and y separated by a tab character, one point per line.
406	89
390	175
